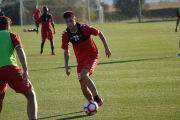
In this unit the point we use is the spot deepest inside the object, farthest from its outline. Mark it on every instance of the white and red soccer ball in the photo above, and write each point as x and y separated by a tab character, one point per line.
90	107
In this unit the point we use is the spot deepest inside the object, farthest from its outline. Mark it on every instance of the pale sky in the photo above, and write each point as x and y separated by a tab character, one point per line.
110	2
153	1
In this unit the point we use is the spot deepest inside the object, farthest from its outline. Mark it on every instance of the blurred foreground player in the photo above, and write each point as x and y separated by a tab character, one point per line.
10	73
86	53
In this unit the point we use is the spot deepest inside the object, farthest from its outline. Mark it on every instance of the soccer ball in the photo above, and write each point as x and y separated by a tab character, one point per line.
90	107
24	30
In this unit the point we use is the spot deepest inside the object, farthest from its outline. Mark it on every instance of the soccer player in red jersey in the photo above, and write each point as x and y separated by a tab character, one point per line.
36	15
47	21
10	73
177	23
86	53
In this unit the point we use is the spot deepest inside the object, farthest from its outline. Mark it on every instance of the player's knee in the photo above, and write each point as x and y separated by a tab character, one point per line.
83	76
30	93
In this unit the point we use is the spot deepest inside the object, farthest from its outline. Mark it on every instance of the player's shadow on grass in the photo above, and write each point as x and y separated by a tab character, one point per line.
125	61
114	62
151	21
73	117
138	60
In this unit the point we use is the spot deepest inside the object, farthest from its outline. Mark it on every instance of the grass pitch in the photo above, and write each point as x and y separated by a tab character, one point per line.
140	81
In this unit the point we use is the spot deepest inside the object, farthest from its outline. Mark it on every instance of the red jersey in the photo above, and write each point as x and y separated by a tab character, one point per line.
36	13
46	22
177	13
15	40
83	45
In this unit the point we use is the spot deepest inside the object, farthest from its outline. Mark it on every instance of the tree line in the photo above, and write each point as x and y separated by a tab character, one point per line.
128	8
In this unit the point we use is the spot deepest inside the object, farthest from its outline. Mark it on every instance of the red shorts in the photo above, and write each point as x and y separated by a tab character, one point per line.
89	64
47	35
12	76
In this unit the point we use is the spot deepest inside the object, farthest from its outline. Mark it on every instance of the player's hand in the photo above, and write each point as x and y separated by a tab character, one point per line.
54	32
33	18
25	78
68	70
108	52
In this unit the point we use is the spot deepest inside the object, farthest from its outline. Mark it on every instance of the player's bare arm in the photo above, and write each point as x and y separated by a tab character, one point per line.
33	17
177	23
66	59
22	58
52	23
107	50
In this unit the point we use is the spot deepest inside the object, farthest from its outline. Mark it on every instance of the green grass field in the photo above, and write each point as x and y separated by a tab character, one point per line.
141	81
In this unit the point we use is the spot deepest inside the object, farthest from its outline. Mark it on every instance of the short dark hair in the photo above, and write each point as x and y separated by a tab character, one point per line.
68	14
4	21
45	6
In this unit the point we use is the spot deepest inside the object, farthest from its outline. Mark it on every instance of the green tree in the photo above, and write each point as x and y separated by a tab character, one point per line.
12	11
105	6
7	1
130	7
58	7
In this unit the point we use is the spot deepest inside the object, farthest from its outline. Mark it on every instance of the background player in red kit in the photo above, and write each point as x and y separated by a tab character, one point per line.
86	53
177	23
10	73
46	30
36	15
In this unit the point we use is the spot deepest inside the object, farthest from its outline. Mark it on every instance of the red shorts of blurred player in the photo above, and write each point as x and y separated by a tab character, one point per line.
89	64
12	76
47	35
